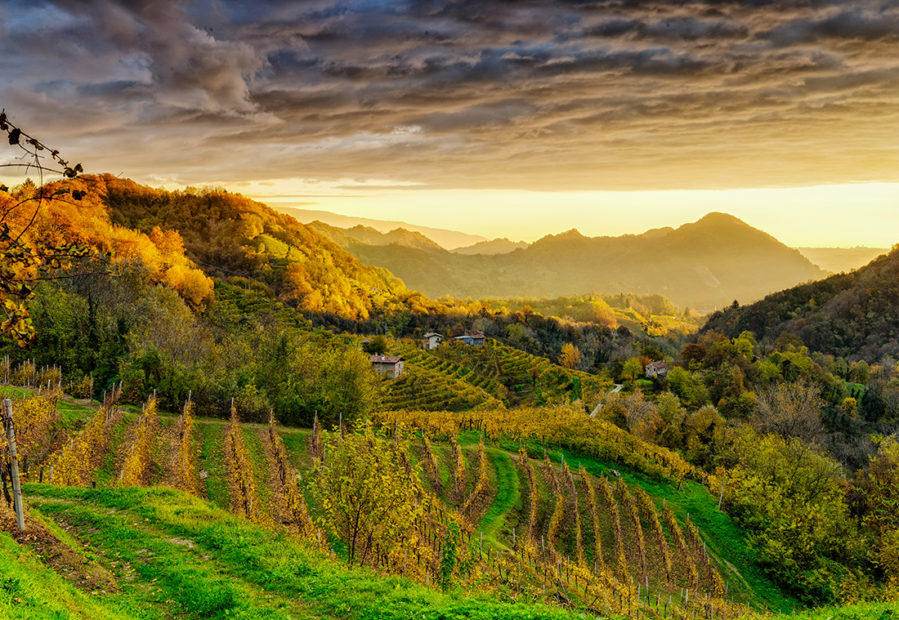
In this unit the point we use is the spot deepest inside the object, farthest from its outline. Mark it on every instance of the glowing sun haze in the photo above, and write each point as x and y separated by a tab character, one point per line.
498	118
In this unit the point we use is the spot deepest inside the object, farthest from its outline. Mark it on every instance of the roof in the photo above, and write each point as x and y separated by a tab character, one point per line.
657	364
385	359
475	334
429	334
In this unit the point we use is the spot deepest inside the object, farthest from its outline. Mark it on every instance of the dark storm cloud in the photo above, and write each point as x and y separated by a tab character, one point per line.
572	94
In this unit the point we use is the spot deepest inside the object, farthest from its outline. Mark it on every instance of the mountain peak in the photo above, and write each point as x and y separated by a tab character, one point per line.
551	240
717	218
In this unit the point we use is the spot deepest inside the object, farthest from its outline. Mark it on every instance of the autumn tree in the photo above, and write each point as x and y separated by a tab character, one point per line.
378	344
632	369
368	498
571	356
791	410
24	261
791	499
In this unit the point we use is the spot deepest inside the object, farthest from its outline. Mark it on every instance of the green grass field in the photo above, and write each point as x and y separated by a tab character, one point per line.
177	556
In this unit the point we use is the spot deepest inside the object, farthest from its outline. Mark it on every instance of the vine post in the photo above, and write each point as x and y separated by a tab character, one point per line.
14	464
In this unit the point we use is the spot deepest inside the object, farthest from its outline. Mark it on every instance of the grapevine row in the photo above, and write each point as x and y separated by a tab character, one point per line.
460	466
186	477
648	509
605	490
555	521
137	462
594	517
241	481
482	483
431	463
73	464
294	504
533	502
34	419
576	513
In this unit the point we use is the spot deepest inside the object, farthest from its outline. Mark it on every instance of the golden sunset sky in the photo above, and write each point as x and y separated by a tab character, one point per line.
513	119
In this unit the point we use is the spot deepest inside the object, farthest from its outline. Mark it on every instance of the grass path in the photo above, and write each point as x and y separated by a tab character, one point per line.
212	460
165	574
260	468
507	495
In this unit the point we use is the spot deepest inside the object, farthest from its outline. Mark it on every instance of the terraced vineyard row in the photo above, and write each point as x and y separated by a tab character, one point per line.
423	388
527	379
579	535
424	359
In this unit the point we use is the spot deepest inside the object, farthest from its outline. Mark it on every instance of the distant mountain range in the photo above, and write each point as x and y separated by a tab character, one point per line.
854	315
448	239
494	246
838	260
365	235
704	265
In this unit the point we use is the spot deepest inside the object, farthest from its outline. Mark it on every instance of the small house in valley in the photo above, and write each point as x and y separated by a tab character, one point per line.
431	341
659	368
390	365
475	338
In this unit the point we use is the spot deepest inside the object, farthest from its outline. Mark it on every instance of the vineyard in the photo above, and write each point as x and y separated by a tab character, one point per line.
528	380
458	377
542	510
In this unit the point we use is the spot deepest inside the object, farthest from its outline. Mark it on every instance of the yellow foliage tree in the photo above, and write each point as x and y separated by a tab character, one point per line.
571	356
367	497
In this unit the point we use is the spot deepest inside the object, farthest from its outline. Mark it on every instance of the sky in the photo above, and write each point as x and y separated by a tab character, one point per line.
500	118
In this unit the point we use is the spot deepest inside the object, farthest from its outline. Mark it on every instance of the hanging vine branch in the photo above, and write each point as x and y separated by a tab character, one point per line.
22	258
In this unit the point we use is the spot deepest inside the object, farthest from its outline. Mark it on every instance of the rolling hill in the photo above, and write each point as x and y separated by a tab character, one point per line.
365	235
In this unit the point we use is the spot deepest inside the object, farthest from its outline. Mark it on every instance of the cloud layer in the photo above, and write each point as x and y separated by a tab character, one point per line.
615	94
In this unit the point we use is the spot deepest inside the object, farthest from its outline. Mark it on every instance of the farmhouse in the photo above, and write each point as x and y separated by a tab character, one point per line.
431	341
390	365
475	338
659	368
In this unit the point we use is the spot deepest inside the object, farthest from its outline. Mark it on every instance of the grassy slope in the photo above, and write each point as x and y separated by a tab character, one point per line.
859	611
28	589
177	555
107	473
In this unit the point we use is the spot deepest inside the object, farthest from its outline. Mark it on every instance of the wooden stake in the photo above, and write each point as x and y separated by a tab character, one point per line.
14	464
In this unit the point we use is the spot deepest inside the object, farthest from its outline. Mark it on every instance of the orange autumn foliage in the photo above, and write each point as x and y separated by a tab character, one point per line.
64	220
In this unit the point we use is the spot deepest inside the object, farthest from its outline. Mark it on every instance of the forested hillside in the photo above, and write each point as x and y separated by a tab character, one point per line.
232	236
853	315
